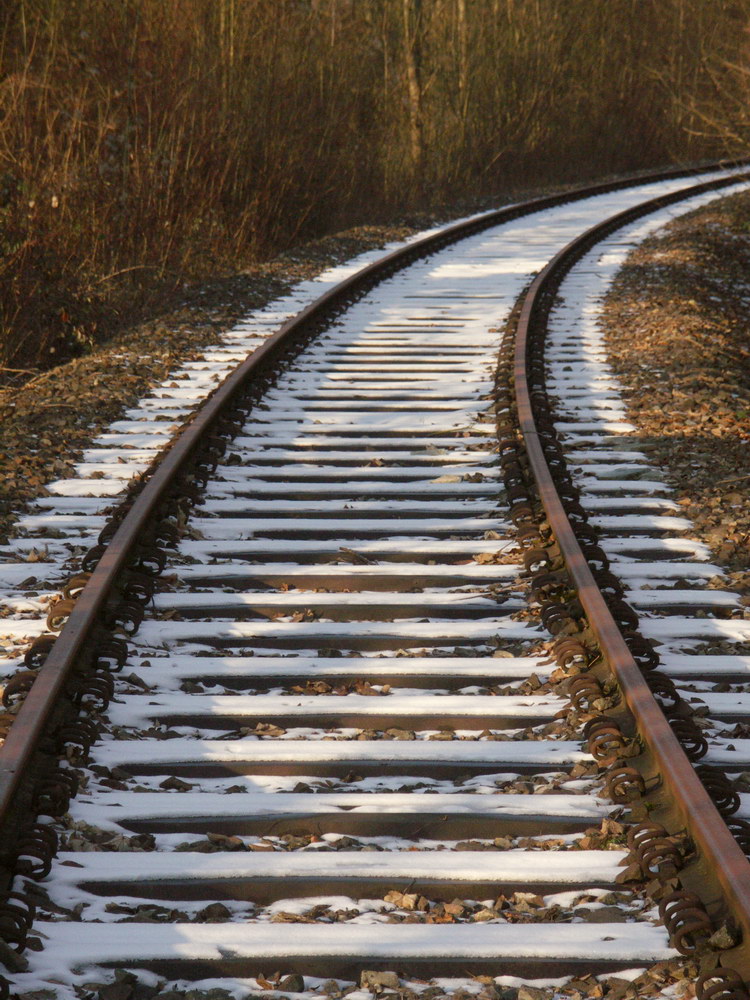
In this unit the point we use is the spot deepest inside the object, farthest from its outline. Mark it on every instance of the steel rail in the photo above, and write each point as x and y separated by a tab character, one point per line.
705	825
35	712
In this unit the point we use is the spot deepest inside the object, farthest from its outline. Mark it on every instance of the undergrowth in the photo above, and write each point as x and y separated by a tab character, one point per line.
147	144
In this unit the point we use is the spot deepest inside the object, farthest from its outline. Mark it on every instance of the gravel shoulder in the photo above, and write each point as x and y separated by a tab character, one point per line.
677	326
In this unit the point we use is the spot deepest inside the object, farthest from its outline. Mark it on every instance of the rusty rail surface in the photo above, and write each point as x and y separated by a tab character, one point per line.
33	716
723	860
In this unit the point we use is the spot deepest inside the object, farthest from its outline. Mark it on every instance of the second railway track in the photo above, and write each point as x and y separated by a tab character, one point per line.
341	744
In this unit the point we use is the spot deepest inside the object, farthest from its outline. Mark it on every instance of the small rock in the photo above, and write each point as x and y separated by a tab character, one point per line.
136	681
644	986
616	988
283	917
116	991
344	843
294	843
587	987
197	846
530	898
725	937
633	873
378	981
174	784
227	843
659	973
409	900
213	913
141	842
293	984
143	991
456	908
532	993
602	915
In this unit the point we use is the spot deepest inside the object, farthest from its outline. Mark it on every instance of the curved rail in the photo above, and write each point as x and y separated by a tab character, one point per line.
33	717
708	830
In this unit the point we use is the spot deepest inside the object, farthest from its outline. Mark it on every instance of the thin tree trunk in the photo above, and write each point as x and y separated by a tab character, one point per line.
412	12
463	66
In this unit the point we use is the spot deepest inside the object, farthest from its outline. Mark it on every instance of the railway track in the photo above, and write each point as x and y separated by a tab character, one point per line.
330	668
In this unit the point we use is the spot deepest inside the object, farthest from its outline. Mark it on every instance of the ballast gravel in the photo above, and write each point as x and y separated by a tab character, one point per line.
676	321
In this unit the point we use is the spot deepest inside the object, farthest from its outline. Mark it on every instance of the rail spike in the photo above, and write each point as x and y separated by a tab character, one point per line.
583	691
38	651
721	984
606	741
687	922
725	796
614	625
740	830
624	783
36	847
654	850
17	912
52	794
693	742
569	652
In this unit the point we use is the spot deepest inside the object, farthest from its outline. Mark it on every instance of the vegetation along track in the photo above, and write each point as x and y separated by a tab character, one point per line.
376	651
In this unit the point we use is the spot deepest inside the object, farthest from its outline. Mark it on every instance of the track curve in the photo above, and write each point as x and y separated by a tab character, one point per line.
306	568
